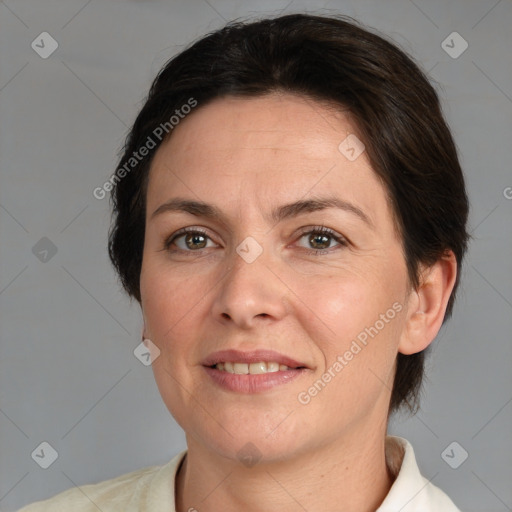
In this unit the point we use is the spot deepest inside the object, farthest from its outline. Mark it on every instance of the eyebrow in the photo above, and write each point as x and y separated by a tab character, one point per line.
287	211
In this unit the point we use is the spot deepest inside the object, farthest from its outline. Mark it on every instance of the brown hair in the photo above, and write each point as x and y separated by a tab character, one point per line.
333	59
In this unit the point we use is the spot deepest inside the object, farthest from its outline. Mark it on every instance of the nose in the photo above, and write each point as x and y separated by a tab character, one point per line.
250	293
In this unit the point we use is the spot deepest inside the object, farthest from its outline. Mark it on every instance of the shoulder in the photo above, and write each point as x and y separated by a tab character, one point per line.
114	492
130	491
411	492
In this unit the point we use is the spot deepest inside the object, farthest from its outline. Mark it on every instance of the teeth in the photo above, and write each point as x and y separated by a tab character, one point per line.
241	368
272	367
252	369
255	368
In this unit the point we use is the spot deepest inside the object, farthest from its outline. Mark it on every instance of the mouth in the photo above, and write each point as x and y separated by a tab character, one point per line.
251	363
258	368
250	372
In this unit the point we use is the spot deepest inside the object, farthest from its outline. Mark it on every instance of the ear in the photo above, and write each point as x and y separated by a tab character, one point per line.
426	305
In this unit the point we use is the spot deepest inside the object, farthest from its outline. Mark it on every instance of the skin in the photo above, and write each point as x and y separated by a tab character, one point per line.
247	157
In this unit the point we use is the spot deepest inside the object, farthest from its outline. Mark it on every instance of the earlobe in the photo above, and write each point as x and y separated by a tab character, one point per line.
427	305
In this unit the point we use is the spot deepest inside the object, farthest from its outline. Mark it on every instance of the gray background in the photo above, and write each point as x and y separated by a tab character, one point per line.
68	375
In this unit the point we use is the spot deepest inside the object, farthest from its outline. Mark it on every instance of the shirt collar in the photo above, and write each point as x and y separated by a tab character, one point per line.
411	492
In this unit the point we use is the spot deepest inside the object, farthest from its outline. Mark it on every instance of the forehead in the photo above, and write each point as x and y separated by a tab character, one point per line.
268	150
278	121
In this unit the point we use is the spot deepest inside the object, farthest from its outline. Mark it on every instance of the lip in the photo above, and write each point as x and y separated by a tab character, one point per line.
255	356
250	384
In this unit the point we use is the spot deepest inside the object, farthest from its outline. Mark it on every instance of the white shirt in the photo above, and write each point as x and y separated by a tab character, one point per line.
152	489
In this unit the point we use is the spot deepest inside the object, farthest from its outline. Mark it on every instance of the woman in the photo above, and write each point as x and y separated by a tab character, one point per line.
290	213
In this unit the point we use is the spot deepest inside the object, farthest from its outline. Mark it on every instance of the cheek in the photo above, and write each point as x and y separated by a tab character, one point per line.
167	300
361	317
169	304
336	308
357	339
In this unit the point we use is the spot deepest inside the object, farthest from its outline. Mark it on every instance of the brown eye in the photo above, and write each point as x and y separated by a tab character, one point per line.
188	240
319	241
321	238
195	240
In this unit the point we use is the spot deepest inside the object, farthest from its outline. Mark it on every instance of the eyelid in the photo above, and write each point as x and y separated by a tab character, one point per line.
321	229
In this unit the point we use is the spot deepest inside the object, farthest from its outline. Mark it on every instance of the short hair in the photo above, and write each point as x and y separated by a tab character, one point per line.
333	59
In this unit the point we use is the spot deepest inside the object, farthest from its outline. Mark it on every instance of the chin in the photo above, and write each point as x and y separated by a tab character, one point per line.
249	442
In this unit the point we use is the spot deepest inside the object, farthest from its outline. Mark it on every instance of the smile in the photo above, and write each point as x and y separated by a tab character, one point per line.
252	368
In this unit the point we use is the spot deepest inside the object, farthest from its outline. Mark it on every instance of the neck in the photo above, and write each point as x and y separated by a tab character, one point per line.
348	475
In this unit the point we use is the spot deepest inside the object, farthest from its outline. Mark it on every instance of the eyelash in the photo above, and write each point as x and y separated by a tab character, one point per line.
322	230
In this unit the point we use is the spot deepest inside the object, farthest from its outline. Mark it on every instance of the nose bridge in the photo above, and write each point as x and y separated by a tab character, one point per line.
249	288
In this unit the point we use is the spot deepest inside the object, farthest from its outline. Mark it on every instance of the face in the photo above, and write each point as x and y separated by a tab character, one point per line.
265	239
